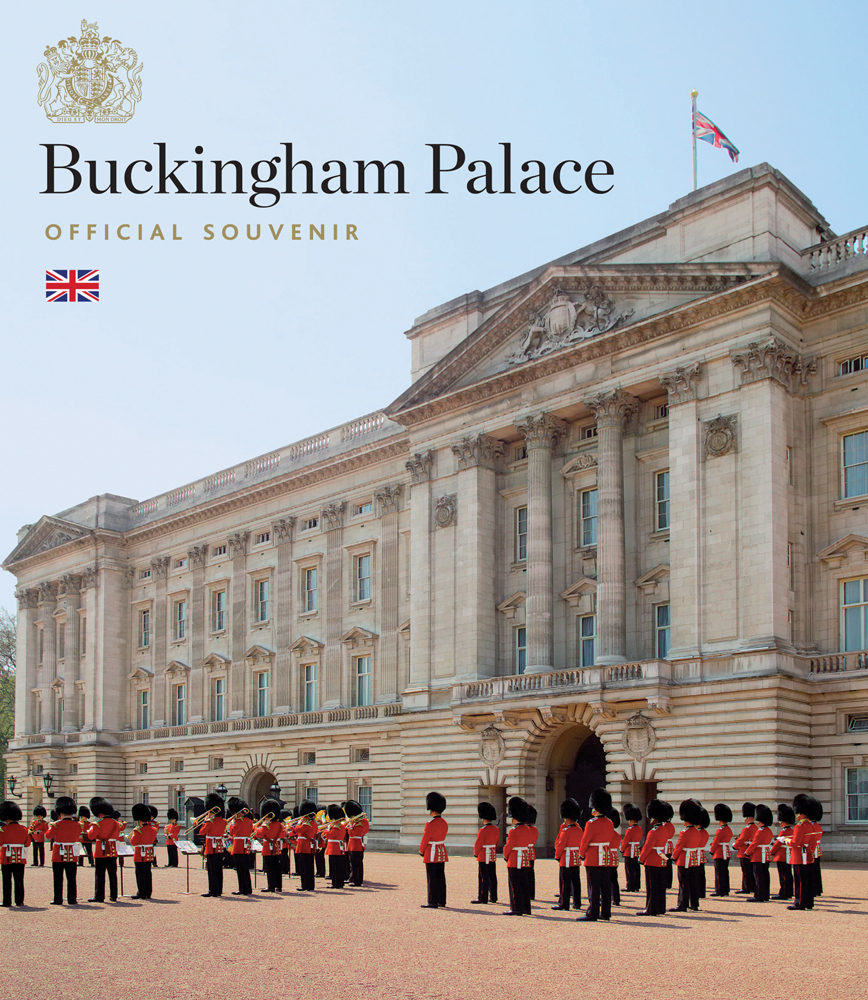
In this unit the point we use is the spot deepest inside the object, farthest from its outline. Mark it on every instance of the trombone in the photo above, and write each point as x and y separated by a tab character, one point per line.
303	819
235	815
203	818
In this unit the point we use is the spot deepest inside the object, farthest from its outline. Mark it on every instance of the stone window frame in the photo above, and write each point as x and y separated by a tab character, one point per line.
655	592
312	560
213	695
139	609
215	587
518	648
264	574
353	786
658	629
581	638
514	498
841	425
841	763
354	552
652	463
581	544
368	502
174	599
82	632
256	691
518	534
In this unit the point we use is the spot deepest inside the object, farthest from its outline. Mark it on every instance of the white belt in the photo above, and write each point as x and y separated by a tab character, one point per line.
68	850
215	842
244	841
572	856
661	851
524	856
434	844
726	851
765	852
490	853
633	849
692	859
602	852
15	854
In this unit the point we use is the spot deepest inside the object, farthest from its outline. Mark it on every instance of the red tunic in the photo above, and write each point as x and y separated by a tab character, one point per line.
357	830
518	849
105	834
433	846
742	841
653	853
631	842
687	850
304	836
760	848
63	835
213	830
143	840
779	850
241	833
802	844
14	841
670	837
336	840
597	842
535	832
173	831
816	837
614	845
38	830
270	836
485	848
721	845
568	846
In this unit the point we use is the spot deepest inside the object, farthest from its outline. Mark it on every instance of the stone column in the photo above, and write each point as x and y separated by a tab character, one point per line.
541	432
48	671
159	572
238	670
26	662
333	686
88	599
420	467
199	627
70	586
285	692
612	410
388	501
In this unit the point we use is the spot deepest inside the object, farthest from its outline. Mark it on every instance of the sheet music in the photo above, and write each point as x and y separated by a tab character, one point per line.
187	847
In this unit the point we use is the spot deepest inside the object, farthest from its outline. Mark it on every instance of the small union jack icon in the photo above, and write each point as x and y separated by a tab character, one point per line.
72	286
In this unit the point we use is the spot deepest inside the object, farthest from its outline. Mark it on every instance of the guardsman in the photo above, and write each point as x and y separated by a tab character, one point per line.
86	842
285	866
760	852
597	839
143	839
336	846
686	855
702	826
816	816
433	851
531	825
173	831
786	819
670	841
568	853
357	838
742	842
801	845
305	835
213	830
14	841
154	814
615	817
38	829
320	852
269	831
241	834
517	853
104	833
631	845
653	857
64	835
485	852
721	849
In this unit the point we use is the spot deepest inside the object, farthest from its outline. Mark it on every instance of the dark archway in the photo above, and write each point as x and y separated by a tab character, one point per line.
255	786
589	770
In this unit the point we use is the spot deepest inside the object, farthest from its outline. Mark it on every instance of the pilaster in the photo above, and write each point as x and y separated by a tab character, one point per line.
159	573
196	557
388	501
332	686
237	672
285	665
420	467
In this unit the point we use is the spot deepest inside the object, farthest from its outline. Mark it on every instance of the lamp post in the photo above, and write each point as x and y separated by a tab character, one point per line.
274	791
221	790
13	781
47	781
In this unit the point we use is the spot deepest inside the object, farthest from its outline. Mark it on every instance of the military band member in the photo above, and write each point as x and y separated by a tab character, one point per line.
305	835
615	817
336	846
816	816
285	864
122	825
742	842
143	839
14	841
569	856
173	831
64	835
686	855
38	829
597	839
86	842
357	833
517	855
721	849
653	858
631	845
433	851
213	830
320	852
801	845
154	814
485	852
269	832
241	833
104	833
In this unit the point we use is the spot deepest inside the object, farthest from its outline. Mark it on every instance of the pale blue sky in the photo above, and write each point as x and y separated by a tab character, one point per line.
201	355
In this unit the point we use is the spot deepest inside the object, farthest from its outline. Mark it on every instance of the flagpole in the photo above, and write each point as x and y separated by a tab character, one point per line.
693	95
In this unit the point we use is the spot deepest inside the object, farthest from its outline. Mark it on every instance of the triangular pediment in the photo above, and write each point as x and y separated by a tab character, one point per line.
215	661
47	533
306	645
838	552
141	674
176	668
652	578
257	653
510	606
358	636
584	585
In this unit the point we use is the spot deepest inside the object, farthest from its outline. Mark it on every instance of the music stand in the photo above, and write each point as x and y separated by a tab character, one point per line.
187	847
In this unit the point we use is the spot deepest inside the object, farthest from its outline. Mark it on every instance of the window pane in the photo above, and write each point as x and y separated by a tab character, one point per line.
853	618
856	464
365	799
662	500
589	517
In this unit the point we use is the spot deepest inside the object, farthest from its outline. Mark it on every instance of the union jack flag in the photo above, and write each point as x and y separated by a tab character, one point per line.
705	129
72	286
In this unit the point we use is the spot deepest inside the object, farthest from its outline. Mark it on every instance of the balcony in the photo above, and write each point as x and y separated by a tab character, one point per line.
837	663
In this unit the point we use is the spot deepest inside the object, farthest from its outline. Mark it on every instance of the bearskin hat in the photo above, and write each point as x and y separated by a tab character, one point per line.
670	811
305	809
235	804
269	806
116	815
10	812
632	812
171	814
690	812
808	806
722	813
435	802
764	815
704	819
486	811
213	801
65	806
155	812
353	808
100	806
570	809
141	813
39	811
334	811
54	816
600	800
285	814
517	809
657	810
585	816
83	812
531	814
615	817
296	810
786	814
818	810
748	810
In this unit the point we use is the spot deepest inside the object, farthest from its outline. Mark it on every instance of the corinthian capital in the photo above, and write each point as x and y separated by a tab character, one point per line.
776	360
47	590
333	515
419	466
27	598
612	409
283	529
238	543
479	449
160	566
196	555
681	383
541	430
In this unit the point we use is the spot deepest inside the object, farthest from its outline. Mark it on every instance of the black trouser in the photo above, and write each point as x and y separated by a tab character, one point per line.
762	888
721	876
305	870
272	872
172	852
105	866
228	859
803	879
616	888
600	892
487	883
701	878
688	888
669	872
38	853
356	861
655	889
785	874
144	879
435	872
632	870
319	863
748	885
818	878
284	862
88	850
68	868
337	870
242	870
519	889
13	872
214	864
531	881
570	886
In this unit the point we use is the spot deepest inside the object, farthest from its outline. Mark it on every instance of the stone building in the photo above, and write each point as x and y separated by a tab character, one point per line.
615	530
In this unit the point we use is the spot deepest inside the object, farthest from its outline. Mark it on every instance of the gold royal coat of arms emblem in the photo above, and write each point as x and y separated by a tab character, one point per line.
89	79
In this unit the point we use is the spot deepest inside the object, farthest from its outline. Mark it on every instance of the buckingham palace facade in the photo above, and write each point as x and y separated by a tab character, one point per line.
616	530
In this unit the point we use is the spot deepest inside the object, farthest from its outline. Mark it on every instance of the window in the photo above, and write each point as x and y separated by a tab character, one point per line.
144	709
519	453
364	800
855	464
262	693
851	365
218	699
73	768
791	623
61	640
854	606
308	757
61	712
82	635
791	569
311	792
661	411
364	681
146	798
857	724
179	797
363	578
857	794
363	508
215	764
587	640
661	501
176	766
145	574
311	697
361	755
588	433
308	590
218	610
40	645
309	523
260	591
181	563
144	629
180	705
262	538
141	768
589	517
661	631
521	534
520	649
789	461
179	619
218	550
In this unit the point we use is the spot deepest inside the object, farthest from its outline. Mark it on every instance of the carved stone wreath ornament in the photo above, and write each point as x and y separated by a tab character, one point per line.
720	436
445	510
639	738
492	746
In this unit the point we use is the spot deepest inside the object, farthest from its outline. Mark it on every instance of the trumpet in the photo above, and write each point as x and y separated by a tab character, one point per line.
264	821
241	812
303	819
201	819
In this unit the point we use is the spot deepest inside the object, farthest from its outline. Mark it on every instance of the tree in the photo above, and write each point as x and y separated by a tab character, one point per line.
7	688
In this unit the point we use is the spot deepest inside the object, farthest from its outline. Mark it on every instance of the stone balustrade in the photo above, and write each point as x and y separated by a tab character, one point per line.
823	256
836	663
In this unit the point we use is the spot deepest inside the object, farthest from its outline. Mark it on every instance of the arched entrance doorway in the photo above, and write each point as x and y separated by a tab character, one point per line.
573	764
255	786
589	771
